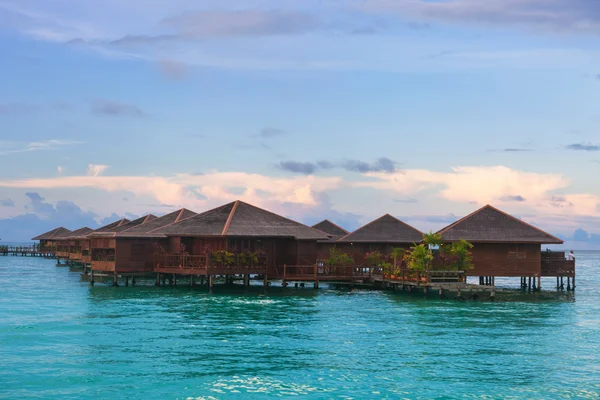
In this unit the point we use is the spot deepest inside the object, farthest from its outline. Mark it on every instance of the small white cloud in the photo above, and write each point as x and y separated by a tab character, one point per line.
96	169
59	169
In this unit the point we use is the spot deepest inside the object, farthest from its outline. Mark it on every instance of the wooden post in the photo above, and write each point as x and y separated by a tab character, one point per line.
157	283
539	282
529	284
557	283
133	281
210	281
284	283
441	293
247	280
92	279
265	281
568	283
316	278
573	280
115	281
126	281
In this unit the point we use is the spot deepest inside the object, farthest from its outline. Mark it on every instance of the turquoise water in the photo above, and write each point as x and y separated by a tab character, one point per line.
61	338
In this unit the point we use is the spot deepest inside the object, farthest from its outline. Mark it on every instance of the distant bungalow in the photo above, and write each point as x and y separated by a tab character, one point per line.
129	249
48	240
504	245
382	235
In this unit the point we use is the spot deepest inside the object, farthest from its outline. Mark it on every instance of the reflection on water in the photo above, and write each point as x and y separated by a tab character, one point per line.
68	340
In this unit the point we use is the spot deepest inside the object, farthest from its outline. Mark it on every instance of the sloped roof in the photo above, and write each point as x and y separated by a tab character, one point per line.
51	234
385	229
145	229
123	227
79	233
111	227
488	224
242	219
333	230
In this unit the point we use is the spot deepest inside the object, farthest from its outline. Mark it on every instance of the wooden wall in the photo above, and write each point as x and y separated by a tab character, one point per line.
500	259
136	255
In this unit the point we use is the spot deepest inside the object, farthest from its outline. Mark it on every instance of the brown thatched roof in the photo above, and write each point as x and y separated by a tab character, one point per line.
490	225
124	227
385	229
334	231
79	233
242	220
111	227
145	229
51	234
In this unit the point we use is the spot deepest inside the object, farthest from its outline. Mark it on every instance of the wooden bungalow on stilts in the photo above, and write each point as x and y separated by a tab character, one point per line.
48	242
128	250
77	242
241	240
382	235
334	232
505	246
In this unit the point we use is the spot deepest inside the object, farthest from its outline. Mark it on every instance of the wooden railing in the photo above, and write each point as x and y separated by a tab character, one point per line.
202	264
558	267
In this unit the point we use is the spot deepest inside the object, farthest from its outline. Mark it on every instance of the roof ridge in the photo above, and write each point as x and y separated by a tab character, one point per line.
523	222
332	223
512	217
181	211
452	225
376	220
230	218
277	215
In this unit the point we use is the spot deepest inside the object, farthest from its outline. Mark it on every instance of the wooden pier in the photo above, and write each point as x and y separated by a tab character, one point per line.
25	251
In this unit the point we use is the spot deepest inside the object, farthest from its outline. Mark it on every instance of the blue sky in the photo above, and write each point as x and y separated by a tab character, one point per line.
426	110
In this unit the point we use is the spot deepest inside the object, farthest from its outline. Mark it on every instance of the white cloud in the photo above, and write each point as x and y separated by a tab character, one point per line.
490	185
59	169
96	169
12	147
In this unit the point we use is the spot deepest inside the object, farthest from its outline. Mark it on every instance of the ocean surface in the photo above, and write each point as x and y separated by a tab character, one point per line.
62	339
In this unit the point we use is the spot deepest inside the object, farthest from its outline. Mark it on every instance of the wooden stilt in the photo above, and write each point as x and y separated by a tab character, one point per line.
539	285
157	283
115	281
562	284
210	281
573	288
568	283
529	284
265	281
92	278
126	281
441	293
284	282
133	281
247	280
174	280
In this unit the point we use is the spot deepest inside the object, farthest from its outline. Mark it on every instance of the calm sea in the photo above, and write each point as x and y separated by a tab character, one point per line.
60	338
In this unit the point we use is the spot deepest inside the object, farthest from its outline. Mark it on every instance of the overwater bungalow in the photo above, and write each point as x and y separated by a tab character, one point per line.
77	243
238	238
48	240
129	249
382	235
335	232
505	246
